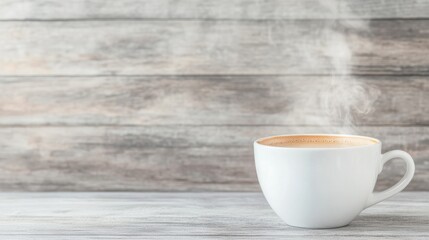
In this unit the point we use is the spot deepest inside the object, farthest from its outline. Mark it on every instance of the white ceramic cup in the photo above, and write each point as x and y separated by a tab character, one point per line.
324	187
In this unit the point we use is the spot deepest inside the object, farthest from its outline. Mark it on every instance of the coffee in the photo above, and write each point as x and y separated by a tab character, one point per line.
317	141
323	181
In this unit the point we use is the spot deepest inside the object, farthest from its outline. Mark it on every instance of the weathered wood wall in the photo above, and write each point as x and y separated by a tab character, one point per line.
170	94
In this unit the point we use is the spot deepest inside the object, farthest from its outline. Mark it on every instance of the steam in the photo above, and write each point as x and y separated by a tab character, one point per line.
342	98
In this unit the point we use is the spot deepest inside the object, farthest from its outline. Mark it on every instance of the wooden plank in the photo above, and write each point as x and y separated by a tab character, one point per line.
165	157
209	47
192	216
202	100
212	9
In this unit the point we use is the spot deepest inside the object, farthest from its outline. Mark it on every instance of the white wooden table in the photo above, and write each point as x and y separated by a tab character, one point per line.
223	215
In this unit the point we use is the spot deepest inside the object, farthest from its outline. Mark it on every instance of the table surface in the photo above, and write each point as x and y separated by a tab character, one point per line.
224	215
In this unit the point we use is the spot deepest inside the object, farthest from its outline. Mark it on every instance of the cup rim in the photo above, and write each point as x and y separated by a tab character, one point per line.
377	142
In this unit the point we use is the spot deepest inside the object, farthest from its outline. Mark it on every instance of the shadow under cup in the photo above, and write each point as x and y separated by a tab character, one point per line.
322	181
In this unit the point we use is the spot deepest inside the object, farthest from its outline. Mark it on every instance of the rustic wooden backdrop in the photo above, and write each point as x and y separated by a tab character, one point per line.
169	94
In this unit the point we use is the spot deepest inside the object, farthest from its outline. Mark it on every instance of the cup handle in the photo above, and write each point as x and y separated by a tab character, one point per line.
377	197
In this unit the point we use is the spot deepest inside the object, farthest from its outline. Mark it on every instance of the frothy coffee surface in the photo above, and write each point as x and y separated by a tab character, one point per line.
317	141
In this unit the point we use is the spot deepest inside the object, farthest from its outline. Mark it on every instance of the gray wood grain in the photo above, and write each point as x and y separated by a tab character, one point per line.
164	158
200	100
211	9
192	216
150	131
207	47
